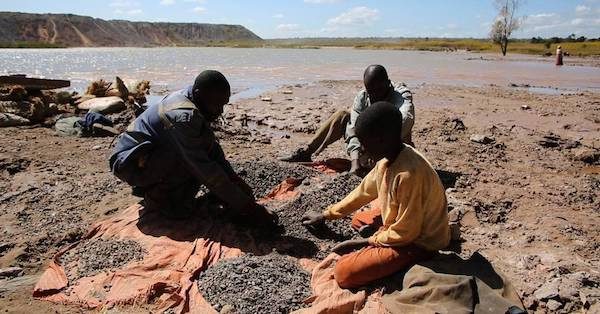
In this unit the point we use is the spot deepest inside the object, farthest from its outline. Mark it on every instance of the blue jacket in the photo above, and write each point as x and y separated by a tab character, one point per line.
176	124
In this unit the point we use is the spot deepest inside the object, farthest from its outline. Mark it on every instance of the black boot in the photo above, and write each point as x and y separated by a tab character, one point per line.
300	155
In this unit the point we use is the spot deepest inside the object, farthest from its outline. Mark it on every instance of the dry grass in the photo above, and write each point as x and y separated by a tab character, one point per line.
583	49
477	45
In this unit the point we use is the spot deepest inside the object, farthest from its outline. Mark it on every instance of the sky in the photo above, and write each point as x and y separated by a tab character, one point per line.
341	18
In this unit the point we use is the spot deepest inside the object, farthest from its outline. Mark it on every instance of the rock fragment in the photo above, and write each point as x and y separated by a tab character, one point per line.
548	290
482	139
553	305
11	272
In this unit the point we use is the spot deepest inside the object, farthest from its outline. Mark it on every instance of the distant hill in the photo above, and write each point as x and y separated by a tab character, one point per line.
83	31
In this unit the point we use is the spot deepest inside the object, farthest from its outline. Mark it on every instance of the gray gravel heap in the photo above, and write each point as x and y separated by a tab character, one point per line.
256	284
98	255
317	192
263	176
318	197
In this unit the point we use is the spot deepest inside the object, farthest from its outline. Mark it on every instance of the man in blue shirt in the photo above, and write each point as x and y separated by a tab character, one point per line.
170	150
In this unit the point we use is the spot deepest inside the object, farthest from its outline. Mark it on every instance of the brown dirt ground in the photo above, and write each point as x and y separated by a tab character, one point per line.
520	199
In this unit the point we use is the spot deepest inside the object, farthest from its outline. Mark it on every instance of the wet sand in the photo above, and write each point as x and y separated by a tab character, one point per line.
532	210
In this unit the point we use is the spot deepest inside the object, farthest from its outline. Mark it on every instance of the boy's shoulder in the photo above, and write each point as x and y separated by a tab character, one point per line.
411	162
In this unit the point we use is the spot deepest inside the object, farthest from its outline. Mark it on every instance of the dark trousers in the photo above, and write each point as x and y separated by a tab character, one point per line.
166	185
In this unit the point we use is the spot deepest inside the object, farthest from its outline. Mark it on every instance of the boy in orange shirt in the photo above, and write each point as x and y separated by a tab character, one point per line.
412	217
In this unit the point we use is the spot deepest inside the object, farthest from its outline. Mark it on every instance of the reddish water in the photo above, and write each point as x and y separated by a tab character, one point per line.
253	70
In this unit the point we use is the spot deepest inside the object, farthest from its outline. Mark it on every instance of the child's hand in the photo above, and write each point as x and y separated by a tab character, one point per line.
312	218
350	245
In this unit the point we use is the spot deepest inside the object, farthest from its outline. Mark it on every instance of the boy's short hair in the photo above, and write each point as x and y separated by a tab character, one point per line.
380	119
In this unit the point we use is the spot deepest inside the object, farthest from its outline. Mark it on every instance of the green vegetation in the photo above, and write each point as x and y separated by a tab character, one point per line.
29	44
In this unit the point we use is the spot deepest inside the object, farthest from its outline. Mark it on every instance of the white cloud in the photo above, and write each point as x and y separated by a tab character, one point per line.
541	21
132	12
126	8
322	1
278	16
585	22
167	2
123	4
553	24
287	27
355	17
195	1
582	9
577	21
199	10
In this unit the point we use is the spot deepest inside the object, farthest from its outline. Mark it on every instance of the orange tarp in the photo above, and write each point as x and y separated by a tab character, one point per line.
176	252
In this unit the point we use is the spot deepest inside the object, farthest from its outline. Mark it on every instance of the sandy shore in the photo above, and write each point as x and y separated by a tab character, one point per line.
529	204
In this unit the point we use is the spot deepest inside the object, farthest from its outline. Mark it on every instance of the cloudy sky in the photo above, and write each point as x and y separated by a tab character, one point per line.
346	18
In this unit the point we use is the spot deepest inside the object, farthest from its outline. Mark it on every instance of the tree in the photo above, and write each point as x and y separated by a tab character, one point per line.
505	23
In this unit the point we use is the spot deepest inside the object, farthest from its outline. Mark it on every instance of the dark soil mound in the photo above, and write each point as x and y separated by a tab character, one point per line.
264	176
98	255
256	284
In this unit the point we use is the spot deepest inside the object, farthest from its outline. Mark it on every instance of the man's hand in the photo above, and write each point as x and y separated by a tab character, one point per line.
357	169
312	218
266	215
350	245
242	185
245	187
258	216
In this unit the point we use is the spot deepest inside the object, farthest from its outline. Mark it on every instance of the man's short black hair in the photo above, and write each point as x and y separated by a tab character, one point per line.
380	119
375	72
213	80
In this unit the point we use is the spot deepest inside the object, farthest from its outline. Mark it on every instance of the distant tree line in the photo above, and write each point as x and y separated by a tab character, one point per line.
556	40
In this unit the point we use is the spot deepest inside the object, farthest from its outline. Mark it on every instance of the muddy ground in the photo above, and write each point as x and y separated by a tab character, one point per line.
529	203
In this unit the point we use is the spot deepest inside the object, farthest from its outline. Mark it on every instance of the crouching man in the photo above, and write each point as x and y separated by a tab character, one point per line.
170	150
411	219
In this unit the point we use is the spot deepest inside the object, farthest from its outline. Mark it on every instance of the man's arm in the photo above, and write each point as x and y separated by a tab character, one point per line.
362	195
353	145
189	136
407	109
218	155
409	219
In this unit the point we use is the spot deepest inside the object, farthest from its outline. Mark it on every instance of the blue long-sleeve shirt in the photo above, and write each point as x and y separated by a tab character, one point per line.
188	133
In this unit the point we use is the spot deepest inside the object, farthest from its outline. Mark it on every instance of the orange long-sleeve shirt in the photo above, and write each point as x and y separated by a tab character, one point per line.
412	199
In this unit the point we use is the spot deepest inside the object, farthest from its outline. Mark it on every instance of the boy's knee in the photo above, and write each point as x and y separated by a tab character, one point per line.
343	273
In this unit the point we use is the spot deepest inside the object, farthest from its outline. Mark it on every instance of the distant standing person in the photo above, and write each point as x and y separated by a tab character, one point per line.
559	56
341	124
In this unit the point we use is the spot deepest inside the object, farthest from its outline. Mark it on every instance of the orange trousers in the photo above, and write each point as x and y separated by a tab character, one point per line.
370	263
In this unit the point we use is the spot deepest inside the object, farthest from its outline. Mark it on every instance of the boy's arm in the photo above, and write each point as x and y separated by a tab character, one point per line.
409	219
362	195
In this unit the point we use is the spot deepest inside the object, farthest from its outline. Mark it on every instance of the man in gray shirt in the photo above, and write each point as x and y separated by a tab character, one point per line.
378	87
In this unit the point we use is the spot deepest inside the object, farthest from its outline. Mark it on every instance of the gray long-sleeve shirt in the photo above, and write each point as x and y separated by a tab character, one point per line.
400	97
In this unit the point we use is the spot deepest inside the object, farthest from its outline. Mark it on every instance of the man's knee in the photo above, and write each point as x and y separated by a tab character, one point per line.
341	115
